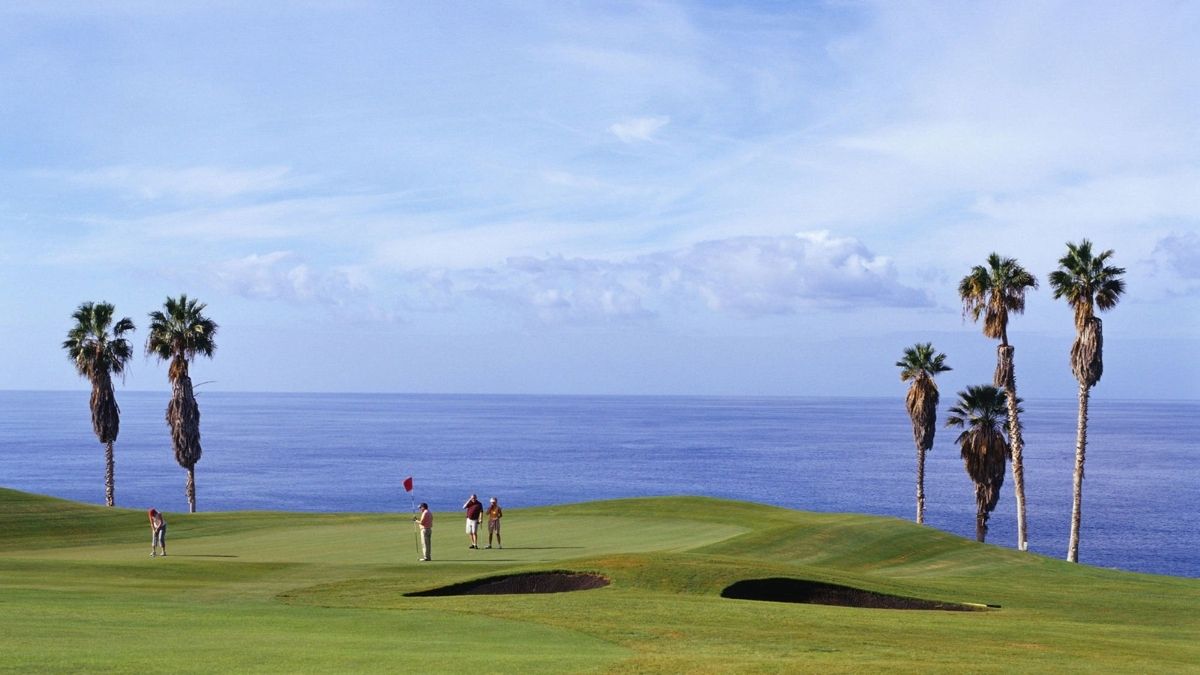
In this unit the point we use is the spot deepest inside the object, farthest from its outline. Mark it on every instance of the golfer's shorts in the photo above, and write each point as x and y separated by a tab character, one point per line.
472	526
494	526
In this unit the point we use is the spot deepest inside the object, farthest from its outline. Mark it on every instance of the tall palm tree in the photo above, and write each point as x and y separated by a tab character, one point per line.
993	291
981	412
1088	283
921	363
98	355
178	334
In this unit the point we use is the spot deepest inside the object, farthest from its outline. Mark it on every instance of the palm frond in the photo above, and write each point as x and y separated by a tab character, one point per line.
921	402
183	416
90	345
981	412
921	359
1087	353
1086	281
98	354
125	325
993	291
180	333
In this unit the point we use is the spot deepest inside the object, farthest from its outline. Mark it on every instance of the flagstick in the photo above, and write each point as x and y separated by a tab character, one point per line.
408	487
416	527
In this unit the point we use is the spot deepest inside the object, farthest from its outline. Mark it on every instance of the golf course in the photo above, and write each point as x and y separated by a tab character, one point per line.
315	592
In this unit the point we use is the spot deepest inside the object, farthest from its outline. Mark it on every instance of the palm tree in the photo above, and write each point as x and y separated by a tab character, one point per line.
981	411
98	355
1088	284
992	291
178	334
921	363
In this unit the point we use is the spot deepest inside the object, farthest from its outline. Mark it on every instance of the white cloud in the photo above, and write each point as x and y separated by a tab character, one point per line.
639	129
743	276
781	275
559	290
282	275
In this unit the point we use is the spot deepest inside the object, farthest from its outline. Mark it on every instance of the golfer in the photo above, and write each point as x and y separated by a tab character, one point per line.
474	510
495	513
425	520
158	532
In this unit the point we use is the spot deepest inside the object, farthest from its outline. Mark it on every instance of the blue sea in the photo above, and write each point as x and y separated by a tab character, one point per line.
351	452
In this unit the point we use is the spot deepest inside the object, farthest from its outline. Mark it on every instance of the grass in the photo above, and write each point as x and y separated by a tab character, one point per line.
287	592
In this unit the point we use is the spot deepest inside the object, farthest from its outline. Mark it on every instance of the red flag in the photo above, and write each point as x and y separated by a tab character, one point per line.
408	484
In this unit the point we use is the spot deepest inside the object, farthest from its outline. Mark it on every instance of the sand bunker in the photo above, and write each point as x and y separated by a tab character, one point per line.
819	593
533	582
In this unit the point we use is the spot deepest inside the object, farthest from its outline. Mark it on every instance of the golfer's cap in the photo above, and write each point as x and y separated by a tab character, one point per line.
493	499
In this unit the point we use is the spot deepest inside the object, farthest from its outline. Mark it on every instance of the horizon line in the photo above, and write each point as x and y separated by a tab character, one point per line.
448	394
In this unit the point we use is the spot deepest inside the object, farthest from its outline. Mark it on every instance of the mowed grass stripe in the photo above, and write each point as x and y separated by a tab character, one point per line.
128	635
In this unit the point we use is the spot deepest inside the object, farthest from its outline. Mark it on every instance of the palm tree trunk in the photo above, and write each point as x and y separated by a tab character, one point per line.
1015	442
1018	471
191	489
1080	449
108	474
920	486
981	518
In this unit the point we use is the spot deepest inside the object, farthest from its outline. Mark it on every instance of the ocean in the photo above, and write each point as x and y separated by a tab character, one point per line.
351	452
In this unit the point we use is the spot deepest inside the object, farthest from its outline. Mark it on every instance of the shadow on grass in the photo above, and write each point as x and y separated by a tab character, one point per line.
780	589
511	584
485	560
537	548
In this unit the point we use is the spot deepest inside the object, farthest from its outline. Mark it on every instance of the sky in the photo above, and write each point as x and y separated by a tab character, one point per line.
710	198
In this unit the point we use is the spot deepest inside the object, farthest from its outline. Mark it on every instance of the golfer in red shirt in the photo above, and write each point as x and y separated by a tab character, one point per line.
474	510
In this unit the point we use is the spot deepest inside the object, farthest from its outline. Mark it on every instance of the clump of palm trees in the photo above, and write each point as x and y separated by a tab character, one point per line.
990	414
992	291
177	334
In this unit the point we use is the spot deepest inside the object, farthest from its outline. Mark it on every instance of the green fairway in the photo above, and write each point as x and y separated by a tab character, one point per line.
290	592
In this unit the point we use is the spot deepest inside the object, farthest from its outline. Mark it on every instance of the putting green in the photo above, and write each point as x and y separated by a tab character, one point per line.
392	540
